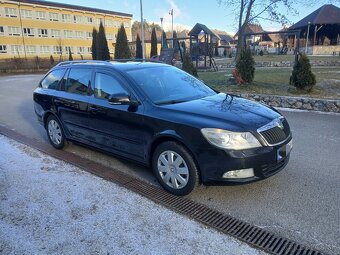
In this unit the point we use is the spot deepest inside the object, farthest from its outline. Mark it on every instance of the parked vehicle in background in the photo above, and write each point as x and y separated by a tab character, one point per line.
162	117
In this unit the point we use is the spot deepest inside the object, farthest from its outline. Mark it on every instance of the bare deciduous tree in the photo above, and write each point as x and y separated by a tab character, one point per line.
252	10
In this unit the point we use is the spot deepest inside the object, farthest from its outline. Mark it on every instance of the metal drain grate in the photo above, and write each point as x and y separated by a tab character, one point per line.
254	236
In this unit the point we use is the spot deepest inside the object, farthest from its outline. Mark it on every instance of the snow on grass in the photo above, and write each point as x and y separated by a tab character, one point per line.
50	207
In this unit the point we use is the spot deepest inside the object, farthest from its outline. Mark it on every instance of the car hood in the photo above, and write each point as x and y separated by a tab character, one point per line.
223	111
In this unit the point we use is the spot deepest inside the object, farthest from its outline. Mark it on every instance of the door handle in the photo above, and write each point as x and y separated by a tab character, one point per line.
93	109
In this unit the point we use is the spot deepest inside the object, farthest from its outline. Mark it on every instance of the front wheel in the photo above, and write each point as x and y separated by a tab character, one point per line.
175	168
55	132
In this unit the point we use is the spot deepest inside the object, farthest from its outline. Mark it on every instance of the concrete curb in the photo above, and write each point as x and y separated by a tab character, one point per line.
301	103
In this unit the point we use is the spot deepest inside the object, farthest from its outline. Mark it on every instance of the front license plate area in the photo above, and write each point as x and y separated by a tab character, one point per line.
284	150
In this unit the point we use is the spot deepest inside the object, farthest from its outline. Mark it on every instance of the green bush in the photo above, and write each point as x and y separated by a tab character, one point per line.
245	66
302	76
188	65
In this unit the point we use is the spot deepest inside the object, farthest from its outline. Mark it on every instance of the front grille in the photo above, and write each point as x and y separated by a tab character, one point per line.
275	134
271	169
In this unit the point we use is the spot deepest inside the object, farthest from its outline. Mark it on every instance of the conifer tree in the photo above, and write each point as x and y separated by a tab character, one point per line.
122	50
102	49
245	66
139	49
94	44
165	42
188	65
153	51
302	76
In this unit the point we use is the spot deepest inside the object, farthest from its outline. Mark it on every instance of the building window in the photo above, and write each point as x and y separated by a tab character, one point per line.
109	36
1	30
88	35
3	49
99	20
30	49
89	20
108	23
55	33
14	31
16	49
28	31
79	34
89	49
54	16
66	18
116	23
42	32
126	24
44	49
77	19
68	49
68	33
40	15
11	12
57	49
26	14
80	50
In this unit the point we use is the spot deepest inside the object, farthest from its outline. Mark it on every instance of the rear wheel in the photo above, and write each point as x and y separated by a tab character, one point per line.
175	168
55	133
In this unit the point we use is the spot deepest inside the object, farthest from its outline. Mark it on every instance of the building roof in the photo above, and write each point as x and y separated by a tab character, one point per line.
71	6
196	30
326	14
222	35
251	28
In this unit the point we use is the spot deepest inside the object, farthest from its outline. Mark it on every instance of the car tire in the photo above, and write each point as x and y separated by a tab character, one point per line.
175	168
55	133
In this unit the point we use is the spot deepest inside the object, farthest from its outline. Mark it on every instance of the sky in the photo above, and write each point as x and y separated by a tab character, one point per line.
189	12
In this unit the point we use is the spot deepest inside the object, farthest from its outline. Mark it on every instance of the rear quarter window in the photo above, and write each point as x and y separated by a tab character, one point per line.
52	80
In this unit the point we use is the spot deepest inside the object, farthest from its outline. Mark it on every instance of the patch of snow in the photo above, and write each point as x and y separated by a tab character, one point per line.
50	207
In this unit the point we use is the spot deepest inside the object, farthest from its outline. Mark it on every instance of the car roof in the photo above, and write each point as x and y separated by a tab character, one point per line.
123	66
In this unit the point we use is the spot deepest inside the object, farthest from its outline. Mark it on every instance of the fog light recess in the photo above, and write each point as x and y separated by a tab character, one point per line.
239	174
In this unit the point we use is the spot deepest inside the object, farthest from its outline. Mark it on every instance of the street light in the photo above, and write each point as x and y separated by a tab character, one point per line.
142	28
307	37
162	33
171	12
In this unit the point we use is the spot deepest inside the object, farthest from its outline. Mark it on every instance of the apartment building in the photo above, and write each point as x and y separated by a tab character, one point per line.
30	28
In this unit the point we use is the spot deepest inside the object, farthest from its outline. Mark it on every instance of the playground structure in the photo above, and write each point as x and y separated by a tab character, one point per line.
200	45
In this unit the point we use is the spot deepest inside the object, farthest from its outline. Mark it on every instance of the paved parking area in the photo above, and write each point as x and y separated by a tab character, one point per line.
301	203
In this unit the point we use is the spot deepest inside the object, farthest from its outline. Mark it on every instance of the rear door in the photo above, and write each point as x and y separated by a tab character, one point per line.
71	102
117	128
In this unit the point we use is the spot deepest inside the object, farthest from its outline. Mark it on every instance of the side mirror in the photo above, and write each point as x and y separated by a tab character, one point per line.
122	99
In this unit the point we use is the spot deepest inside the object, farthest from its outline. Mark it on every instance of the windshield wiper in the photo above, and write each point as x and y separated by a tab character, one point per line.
171	102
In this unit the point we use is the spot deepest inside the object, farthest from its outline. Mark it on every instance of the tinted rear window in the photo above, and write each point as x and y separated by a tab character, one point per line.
52	80
78	81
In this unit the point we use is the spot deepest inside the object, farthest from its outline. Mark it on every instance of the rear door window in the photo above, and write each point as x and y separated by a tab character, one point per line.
52	80
106	85
78	81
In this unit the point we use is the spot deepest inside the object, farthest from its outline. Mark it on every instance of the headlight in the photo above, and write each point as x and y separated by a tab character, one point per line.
230	140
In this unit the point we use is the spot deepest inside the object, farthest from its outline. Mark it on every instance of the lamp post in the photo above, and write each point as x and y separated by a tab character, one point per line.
142	28
307	37
171	12
162	33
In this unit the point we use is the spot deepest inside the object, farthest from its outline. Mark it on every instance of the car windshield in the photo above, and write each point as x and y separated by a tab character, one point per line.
169	85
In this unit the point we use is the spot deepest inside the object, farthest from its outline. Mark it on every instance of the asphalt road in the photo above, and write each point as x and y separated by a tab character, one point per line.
302	202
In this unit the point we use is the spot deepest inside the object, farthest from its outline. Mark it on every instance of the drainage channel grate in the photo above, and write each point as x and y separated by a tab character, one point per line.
255	236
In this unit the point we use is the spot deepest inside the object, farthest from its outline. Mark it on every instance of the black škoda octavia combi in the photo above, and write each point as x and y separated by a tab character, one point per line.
163	117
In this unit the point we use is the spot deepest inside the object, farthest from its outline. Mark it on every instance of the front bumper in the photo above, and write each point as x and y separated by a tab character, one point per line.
265	161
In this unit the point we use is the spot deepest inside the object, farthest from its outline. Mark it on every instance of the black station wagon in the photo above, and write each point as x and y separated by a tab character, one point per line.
162	117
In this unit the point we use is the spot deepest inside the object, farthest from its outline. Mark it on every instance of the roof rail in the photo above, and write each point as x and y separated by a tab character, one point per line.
74	62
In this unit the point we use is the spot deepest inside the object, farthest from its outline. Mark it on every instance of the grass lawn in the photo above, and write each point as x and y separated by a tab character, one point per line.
275	81
282	58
